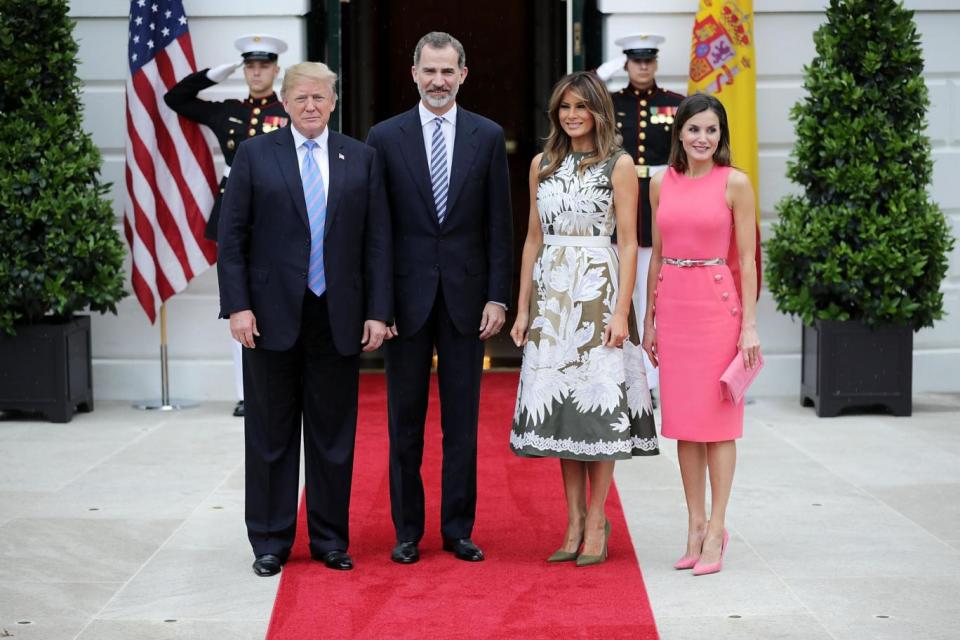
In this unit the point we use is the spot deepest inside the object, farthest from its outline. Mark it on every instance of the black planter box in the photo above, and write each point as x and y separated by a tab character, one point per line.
46	368
848	365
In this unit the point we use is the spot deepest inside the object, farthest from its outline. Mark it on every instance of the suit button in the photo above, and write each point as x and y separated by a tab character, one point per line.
436	267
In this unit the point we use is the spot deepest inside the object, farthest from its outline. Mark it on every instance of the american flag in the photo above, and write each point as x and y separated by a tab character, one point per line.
170	176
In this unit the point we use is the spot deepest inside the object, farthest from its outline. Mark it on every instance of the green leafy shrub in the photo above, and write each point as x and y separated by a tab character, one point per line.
59	251
863	242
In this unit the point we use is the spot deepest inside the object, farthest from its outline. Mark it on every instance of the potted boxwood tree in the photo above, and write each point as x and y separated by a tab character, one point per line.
60	252
859	256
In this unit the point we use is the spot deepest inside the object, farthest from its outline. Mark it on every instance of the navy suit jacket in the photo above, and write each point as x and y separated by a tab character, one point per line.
470	255
264	240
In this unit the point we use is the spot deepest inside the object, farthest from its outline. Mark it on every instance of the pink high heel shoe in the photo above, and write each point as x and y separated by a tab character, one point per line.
686	562
689	560
704	569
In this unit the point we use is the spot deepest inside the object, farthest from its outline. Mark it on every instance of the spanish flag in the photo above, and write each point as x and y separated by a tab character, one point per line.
722	63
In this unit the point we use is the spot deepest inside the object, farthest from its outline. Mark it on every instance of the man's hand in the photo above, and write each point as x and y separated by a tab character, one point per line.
610	67
492	320
224	71
243	327
374	333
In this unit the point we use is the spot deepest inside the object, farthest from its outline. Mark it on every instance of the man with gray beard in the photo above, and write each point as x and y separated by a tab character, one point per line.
445	170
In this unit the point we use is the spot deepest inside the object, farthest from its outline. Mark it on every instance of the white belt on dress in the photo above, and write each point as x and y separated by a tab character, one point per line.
577	241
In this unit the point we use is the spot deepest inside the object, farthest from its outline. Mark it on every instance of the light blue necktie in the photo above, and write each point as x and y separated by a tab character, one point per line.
438	170
317	215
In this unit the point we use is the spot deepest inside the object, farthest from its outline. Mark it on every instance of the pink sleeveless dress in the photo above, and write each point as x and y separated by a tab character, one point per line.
697	309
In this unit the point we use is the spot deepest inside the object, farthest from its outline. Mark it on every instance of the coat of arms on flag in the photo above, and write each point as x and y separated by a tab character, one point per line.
722	41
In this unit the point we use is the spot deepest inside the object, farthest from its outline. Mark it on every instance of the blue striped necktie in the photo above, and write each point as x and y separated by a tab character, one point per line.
438	170
316	214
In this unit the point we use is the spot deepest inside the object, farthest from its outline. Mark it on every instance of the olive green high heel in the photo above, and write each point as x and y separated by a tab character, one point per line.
586	561
564	556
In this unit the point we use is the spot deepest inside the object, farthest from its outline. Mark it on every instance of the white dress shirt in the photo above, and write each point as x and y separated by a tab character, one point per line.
321	155
448	128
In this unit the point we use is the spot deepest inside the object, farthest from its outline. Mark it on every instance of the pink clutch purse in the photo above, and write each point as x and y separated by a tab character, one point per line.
737	377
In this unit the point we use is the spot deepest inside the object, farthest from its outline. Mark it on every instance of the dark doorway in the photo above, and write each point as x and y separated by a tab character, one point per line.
515	51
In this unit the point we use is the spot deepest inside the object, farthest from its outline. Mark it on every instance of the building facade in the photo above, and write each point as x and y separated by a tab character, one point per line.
126	346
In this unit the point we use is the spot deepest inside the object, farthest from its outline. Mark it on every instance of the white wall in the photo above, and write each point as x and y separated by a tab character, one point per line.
126	346
783	32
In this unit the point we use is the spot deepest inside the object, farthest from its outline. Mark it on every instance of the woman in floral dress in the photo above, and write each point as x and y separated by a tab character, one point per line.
583	394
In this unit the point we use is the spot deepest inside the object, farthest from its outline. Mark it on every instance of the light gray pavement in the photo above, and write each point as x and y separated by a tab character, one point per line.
129	525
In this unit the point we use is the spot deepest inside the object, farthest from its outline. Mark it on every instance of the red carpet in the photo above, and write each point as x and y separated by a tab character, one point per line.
514	594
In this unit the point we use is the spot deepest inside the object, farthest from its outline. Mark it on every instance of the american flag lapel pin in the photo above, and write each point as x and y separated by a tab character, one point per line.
340	155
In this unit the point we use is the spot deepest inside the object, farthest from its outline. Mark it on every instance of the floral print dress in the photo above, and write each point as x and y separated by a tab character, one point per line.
578	399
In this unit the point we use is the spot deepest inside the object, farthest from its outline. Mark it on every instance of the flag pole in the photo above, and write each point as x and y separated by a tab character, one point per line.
164	403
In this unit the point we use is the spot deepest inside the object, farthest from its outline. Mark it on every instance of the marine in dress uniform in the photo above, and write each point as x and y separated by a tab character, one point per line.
233	121
644	114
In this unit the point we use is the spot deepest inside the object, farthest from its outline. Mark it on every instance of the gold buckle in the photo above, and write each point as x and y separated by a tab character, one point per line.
643	171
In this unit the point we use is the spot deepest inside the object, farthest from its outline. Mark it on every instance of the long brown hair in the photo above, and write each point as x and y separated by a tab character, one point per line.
594	93
691	106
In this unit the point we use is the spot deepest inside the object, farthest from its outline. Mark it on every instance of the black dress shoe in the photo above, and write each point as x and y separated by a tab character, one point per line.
463	549
267	565
339	560
238	410
405	552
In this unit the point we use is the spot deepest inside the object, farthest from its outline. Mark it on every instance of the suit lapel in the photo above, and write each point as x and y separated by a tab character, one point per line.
415	155
464	152
337	163
290	169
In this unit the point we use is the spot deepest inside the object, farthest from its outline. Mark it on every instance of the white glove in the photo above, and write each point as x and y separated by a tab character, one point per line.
610	67
221	73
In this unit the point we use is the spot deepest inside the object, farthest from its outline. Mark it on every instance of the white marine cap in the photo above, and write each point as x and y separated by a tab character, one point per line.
260	46
640	46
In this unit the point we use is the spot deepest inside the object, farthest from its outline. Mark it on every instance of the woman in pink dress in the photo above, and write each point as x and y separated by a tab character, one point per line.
698	316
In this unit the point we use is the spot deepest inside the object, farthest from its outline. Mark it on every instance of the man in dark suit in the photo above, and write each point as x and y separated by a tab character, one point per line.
445	170
306	281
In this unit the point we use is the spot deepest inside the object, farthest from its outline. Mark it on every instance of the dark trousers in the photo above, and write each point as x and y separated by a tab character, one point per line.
313	382
460	365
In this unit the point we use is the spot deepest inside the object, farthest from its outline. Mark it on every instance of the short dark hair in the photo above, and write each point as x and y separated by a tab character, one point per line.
691	106
439	40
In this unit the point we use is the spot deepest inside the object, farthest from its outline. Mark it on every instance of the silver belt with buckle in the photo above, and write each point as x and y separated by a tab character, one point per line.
687	262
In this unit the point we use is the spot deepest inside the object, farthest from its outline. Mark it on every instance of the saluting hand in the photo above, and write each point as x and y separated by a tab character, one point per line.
224	71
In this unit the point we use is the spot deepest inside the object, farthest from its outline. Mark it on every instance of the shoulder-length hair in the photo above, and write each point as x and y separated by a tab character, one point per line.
691	106
594	94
